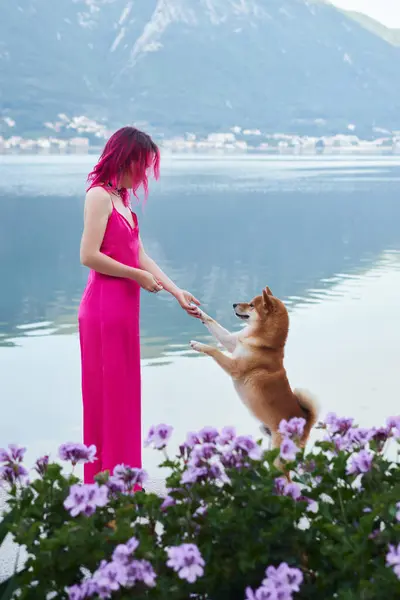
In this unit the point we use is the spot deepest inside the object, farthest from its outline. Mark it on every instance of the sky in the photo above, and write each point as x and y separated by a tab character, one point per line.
386	11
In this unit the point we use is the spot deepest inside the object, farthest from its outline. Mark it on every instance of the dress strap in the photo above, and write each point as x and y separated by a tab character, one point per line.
107	189
135	219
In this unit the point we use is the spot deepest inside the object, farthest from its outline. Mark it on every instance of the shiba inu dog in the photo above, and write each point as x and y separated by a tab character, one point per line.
256	366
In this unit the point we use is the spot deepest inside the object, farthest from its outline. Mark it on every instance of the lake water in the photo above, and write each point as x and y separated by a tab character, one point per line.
323	233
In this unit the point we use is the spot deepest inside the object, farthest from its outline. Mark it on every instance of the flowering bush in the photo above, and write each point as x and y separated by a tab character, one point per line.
230	525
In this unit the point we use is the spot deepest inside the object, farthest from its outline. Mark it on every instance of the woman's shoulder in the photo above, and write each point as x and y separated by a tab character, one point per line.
98	198
98	191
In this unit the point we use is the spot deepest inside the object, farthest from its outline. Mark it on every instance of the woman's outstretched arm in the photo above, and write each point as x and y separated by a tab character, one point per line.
187	301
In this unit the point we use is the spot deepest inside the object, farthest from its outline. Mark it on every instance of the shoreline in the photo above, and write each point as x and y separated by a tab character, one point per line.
229	153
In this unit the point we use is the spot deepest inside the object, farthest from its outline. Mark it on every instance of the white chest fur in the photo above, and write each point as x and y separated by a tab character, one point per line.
241	350
241	392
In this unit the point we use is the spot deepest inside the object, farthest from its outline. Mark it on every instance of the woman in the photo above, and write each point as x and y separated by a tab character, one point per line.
109	312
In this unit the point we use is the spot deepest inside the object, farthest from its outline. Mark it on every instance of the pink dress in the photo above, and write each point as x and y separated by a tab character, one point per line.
110	353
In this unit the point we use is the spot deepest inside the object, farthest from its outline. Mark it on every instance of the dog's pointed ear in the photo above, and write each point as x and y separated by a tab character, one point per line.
267	302
268	290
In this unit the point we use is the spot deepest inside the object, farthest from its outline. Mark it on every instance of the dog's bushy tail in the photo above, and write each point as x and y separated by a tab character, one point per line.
311	408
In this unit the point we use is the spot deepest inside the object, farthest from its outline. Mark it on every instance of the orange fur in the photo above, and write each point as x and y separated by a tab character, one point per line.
256	364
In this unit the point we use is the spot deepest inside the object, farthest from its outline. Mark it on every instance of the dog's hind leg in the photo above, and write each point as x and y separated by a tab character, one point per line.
222	335
267	433
276	440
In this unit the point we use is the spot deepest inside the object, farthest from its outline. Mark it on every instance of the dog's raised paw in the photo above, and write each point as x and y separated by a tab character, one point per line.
197	346
202	315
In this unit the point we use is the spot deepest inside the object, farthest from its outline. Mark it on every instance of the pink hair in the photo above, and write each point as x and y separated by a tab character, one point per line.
127	150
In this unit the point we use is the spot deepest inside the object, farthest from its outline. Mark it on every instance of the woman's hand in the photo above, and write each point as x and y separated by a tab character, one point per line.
188	302
148	282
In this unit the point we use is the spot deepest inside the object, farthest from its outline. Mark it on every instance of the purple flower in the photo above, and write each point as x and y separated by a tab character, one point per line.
280	485
108	578
338	425
212	471
76	592
121	572
191	440
116	486
129	476
132	544
208	434
393	423
283	592
293	491
292	428
227	435
158	436
216	471
41	465
283	488
86	498
313	505
200	511
13	454
168	501
77	453
359	462
14	473
247	445
285	576
381	434
146	573
265	592
140	570
279	584
342	442
4	456
230	459
354	437
288	450
294	579
201	453
360	436
123	552
250	594
193	474
80	592
393	559
187	561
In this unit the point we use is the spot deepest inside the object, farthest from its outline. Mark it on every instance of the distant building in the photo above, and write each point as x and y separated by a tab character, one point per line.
79	143
221	138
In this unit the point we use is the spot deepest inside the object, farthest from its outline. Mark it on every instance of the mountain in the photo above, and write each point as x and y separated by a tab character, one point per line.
193	65
392	36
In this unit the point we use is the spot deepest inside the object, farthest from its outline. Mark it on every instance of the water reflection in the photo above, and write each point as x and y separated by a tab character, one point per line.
345	350
223	229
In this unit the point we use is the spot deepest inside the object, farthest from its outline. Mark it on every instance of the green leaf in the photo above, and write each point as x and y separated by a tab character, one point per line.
8	587
4	525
